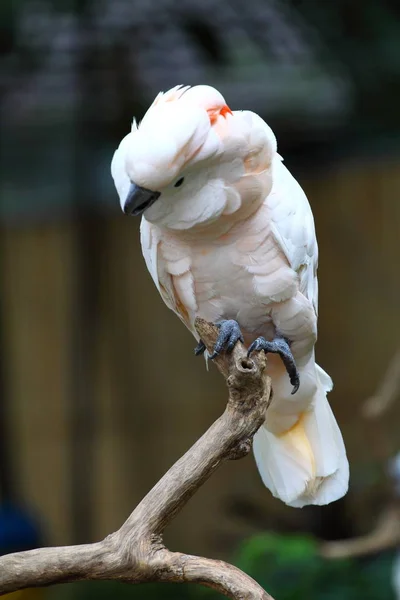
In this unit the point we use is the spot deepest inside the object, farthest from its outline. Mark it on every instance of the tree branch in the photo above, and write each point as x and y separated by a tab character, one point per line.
386	535
388	391
136	553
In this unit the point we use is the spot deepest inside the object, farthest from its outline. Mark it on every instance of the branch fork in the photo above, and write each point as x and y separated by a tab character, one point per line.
136	553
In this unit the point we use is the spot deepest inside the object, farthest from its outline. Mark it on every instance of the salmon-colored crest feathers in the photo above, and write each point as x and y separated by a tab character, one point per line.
215	112
204	96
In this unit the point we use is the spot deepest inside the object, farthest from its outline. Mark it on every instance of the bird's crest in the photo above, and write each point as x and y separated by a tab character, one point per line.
204	96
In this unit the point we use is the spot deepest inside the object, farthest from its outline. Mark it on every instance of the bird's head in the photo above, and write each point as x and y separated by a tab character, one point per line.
173	165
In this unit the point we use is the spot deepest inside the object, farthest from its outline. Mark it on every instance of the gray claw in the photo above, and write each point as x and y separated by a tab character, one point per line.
229	334
279	346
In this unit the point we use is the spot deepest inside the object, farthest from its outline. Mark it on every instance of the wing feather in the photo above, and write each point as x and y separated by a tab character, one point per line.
173	278
293	227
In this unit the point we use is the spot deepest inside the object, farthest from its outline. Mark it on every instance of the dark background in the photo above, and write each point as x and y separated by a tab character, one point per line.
86	426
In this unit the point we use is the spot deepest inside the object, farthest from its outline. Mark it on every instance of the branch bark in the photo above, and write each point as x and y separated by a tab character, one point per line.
136	553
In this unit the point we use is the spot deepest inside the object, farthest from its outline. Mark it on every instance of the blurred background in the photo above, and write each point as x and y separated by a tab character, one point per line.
86	427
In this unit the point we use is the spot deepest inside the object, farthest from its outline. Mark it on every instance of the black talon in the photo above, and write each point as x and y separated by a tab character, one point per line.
279	346
200	348
229	334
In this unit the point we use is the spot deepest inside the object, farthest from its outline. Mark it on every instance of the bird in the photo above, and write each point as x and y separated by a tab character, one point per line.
228	235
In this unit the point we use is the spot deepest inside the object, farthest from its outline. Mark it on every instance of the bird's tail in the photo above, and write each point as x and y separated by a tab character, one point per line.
306	464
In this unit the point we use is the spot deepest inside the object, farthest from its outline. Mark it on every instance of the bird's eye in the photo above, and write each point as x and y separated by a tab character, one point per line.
179	182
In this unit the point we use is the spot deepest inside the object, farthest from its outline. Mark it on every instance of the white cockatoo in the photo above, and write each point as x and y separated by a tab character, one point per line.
228	235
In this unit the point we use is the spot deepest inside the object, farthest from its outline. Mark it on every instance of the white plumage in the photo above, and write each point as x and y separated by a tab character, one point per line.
235	239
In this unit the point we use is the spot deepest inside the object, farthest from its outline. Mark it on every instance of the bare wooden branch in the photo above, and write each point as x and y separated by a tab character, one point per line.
388	391
386	535
136	553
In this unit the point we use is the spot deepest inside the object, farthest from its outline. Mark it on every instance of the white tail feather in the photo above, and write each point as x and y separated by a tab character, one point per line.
306	464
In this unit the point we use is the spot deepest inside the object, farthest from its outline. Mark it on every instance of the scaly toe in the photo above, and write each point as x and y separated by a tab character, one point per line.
200	348
229	334
279	346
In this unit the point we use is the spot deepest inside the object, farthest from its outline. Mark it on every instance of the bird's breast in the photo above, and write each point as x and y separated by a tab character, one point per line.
240	274
241	279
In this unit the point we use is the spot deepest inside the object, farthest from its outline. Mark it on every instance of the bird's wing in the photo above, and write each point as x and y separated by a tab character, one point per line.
171	273
292	225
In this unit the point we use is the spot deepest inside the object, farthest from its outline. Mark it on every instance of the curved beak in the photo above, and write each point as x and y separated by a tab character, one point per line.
138	199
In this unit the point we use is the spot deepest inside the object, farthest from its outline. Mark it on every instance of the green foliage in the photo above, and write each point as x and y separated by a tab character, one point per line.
288	567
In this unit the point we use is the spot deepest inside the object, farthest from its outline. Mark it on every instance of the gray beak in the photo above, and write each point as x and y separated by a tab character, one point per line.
138	199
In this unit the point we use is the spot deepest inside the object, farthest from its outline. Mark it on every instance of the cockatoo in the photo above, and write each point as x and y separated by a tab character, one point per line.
228	235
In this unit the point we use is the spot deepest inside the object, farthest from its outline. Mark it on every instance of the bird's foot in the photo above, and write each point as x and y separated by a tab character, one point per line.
279	346
200	348
229	334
